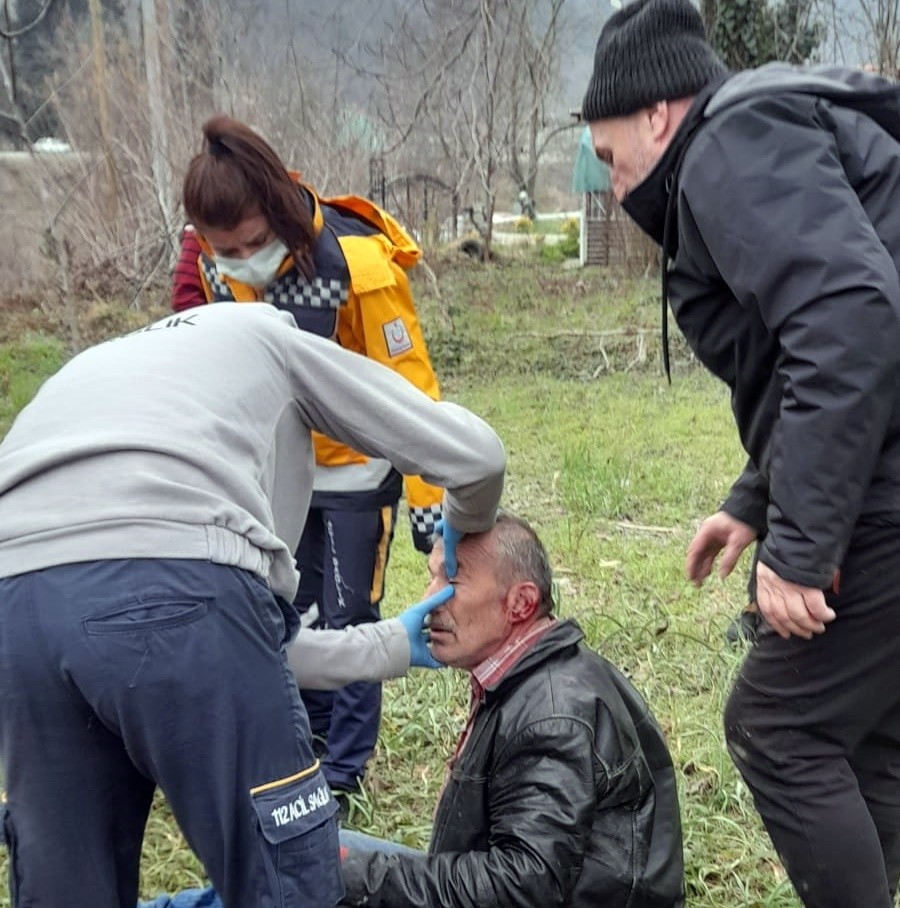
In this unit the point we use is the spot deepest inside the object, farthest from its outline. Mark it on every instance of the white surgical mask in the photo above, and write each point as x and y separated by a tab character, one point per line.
259	269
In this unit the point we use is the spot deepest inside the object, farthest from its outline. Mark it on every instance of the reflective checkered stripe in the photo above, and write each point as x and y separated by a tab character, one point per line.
424	519
221	292
292	289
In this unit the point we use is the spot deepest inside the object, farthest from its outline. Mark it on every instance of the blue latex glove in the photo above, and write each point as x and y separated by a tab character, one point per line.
451	537
413	621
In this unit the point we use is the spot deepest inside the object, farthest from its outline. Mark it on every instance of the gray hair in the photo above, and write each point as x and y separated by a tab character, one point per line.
521	556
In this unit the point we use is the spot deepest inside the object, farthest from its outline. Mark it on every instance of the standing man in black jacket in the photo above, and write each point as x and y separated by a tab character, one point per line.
561	792
775	194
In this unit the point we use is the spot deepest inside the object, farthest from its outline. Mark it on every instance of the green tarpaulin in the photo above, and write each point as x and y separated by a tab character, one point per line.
590	173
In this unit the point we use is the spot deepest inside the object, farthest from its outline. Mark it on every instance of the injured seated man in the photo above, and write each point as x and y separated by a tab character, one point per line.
561	791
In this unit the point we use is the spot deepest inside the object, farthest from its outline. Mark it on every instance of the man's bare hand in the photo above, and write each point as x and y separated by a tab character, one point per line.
719	533
790	608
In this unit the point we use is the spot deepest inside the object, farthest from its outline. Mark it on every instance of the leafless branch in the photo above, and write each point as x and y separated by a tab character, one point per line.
17	33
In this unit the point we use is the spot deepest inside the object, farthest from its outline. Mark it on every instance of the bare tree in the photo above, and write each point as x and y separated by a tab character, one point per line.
882	35
464	92
461	95
531	128
129	96
11	33
865	33
159	133
52	240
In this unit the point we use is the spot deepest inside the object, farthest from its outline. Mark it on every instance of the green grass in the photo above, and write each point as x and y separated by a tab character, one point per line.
23	367
553	225
615	480
615	468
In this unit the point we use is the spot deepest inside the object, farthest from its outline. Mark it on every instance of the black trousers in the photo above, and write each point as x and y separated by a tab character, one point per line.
814	728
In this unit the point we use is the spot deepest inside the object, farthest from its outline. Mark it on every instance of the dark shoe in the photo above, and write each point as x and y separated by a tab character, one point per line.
319	747
743	629
346	796
343	803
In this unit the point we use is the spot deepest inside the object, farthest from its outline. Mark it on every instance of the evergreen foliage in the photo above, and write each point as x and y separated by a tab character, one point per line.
748	33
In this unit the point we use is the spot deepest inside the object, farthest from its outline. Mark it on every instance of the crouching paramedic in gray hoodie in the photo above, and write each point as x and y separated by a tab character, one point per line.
151	498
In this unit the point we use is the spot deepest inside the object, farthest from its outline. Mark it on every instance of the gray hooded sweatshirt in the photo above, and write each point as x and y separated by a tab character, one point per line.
326	659
191	439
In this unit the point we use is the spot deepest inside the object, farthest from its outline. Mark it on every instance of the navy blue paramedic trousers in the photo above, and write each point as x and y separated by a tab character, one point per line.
343	557
814	728
120	676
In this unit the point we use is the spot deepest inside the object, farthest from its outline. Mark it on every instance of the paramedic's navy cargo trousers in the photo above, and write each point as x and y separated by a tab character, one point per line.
119	676
343	556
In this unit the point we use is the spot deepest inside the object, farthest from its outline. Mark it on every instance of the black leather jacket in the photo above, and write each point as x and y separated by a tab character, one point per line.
563	796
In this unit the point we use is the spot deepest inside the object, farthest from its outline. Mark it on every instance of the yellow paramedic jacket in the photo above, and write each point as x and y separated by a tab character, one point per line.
360	296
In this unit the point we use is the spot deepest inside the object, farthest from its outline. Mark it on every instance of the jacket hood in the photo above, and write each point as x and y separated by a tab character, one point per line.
854	87
405	251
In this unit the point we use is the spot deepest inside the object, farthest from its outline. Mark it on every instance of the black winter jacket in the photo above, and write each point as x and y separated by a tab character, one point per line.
784	281
563	796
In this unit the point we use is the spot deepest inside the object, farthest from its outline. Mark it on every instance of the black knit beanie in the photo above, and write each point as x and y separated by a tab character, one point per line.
649	51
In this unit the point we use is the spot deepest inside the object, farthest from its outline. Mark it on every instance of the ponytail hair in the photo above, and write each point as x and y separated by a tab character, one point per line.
238	175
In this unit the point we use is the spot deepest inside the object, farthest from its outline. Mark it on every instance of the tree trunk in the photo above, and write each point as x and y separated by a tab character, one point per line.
162	173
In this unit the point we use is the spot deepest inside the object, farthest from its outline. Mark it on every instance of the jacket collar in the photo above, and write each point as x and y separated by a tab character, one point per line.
560	635
493	669
647	203
652	203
